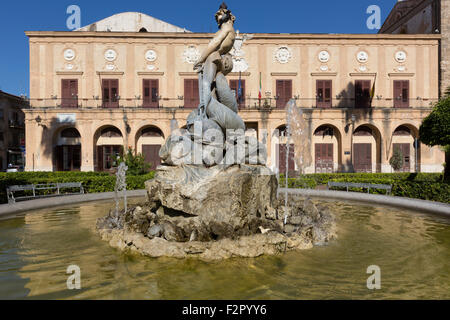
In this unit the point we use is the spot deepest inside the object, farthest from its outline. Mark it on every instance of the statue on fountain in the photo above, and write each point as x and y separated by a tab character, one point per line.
215	126
214	197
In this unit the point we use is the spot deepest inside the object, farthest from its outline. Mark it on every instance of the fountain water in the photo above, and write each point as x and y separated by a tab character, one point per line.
121	186
296	131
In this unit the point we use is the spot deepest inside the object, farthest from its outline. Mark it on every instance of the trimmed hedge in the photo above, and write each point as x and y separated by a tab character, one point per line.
425	186
300	183
93	182
323	178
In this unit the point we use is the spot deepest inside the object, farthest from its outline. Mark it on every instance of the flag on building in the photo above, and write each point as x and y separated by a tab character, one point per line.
240	89
260	87
372	91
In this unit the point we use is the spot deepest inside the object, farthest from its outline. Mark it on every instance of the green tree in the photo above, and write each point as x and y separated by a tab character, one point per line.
435	129
135	162
396	160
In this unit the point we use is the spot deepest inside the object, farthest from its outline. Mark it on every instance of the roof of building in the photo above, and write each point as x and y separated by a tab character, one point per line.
12	96
132	22
398	12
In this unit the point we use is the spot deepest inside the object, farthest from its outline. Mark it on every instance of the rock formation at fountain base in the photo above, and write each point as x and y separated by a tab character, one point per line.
216	213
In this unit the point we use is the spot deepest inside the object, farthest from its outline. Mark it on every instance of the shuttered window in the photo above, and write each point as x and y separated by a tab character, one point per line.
282	153
362	157
234	85
110	90
362	93
324	157
191	94
323	93
150	93
284	92
405	149
401	93
69	93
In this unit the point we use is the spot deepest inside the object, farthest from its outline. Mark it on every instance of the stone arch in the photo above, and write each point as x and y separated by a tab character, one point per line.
403	137
148	141
279	150
327	148
108	145
365	158
66	143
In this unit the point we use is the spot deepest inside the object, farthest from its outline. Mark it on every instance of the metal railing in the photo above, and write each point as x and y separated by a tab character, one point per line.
247	103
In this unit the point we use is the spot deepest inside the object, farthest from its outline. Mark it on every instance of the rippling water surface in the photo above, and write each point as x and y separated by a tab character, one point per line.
412	250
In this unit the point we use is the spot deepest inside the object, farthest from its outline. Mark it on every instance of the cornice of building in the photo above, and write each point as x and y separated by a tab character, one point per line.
256	36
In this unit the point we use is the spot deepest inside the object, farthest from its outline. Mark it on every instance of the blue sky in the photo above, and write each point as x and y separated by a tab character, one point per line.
288	16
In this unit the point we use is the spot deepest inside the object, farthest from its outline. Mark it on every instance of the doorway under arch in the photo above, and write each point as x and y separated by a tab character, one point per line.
327	149
67	145
108	145
149	141
366	149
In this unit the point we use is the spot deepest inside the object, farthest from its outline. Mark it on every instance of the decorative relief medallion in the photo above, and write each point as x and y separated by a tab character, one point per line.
69	66
362	68
110	55
283	54
151	55
400	56
151	67
238	43
324	68
191	55
239	65
362	57
110	67
324	56
69	54
401	68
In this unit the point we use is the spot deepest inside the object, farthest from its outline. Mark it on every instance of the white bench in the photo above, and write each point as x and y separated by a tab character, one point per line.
368	186
35	191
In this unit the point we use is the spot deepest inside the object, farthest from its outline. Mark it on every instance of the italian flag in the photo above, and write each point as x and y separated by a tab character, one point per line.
260	87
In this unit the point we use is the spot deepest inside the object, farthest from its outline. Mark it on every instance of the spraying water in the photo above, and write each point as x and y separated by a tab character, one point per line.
121	186
296	131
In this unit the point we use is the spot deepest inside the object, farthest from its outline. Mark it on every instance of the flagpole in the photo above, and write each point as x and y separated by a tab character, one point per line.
260	89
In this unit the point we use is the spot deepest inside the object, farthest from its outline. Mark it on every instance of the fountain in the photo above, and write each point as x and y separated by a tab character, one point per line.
296	131
214	197
121	186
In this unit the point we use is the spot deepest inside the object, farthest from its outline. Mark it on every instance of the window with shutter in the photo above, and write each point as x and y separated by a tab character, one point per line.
284	92
324	99
405	149
401	93
324	157
150	93
362	157
69	93
234	85
362	93
282	153
110	89
191	94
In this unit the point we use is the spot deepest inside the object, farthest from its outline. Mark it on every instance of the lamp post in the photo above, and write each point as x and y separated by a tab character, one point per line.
353	120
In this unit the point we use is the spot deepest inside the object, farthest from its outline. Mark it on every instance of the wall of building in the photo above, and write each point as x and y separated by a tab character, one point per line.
445	45
12	129
271	56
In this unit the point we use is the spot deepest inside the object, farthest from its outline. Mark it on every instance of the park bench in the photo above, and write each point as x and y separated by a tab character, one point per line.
34	191
368	186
